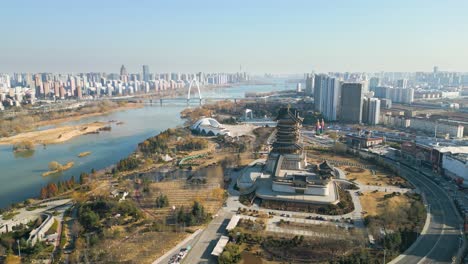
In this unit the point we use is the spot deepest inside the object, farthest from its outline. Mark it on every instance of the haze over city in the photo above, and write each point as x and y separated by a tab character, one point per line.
262	36
233	132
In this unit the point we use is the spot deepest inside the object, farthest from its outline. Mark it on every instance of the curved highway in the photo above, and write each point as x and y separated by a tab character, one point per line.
441	241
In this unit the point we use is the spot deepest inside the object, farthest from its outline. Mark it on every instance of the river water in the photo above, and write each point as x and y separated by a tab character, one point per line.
21	177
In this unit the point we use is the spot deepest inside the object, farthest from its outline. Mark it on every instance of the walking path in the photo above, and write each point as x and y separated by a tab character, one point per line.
24	216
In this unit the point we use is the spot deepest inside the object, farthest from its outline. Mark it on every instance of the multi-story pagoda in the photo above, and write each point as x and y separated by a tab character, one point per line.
288	144
286	175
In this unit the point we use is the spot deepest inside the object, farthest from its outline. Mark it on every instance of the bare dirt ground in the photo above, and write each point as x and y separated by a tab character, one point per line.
143	247
180	193
240	130
362	176
381	178
373	202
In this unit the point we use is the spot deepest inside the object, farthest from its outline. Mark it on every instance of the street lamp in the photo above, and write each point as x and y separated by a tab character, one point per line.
19	248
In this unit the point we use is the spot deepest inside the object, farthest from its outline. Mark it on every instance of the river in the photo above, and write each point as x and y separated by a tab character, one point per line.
20	177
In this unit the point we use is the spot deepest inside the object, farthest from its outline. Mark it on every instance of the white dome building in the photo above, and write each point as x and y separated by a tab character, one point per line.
207	125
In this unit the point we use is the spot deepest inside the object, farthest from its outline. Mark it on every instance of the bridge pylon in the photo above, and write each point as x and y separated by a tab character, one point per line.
194	81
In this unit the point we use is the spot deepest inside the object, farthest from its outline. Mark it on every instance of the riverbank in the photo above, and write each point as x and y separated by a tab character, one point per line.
54	135
127	106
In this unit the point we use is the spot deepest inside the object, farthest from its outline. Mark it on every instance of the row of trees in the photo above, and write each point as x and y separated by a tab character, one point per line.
52	189
162	201
194	216
192	144
18	124
127	164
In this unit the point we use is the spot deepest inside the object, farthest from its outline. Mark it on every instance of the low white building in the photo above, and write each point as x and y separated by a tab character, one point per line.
450	94
455	162
450	127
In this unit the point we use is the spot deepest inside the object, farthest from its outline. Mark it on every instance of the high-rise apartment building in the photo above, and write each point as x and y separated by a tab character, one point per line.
319	83
79	93
371	111
397	95
146	73
327	96
351	102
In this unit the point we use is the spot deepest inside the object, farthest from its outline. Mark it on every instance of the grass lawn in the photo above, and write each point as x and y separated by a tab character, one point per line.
53	228
381	177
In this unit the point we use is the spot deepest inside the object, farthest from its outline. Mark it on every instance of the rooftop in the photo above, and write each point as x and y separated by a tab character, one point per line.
453	150
222	242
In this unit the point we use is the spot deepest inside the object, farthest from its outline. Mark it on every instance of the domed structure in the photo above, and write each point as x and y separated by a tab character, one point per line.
206	125
206	122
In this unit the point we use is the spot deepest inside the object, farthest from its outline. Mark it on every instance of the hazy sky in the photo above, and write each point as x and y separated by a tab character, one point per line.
263	36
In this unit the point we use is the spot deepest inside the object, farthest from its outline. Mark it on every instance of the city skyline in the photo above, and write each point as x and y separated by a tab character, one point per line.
273	36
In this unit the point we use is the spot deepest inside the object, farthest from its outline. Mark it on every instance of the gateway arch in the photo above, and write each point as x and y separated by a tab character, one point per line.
194	81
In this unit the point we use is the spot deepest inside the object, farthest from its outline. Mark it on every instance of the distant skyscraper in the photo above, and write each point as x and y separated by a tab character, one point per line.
57	89
319	84
351	102
309	89
374	82
38	85
73	84
62	92
403	83
123	74
46	88
79	93
436	69
146	73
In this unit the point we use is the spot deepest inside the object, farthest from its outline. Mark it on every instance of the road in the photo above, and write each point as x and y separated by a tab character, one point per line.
442	239
184	244
201	250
